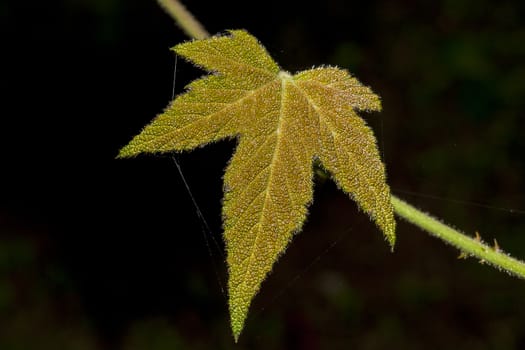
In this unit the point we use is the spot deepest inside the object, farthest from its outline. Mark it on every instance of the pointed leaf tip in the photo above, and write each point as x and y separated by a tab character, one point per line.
391	238
237	328
125	152
236	53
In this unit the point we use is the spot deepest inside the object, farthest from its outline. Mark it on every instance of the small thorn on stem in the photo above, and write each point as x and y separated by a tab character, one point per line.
463	255
496	246
478	237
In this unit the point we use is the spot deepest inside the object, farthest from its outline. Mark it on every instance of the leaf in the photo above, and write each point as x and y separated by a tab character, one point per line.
283	123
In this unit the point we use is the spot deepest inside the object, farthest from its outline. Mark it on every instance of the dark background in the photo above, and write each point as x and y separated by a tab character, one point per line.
98	253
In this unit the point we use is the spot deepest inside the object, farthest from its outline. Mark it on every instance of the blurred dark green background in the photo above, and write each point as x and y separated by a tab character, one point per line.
98	253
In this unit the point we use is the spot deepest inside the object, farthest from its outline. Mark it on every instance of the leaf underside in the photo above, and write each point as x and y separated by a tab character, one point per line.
283	123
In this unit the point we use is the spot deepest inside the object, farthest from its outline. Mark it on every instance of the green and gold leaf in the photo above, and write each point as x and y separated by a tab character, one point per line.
283	123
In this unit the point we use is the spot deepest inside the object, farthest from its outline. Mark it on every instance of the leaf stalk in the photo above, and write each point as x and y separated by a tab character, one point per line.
467	245
184	18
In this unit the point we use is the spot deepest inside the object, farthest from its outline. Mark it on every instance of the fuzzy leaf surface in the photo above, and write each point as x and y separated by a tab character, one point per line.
283	123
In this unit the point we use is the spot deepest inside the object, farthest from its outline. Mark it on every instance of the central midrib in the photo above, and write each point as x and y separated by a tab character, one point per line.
285	78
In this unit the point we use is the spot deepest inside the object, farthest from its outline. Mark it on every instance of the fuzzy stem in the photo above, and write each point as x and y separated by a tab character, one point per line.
434	227
184	19
468	245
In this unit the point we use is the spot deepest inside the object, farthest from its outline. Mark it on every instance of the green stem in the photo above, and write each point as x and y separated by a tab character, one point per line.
184	19
468	245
